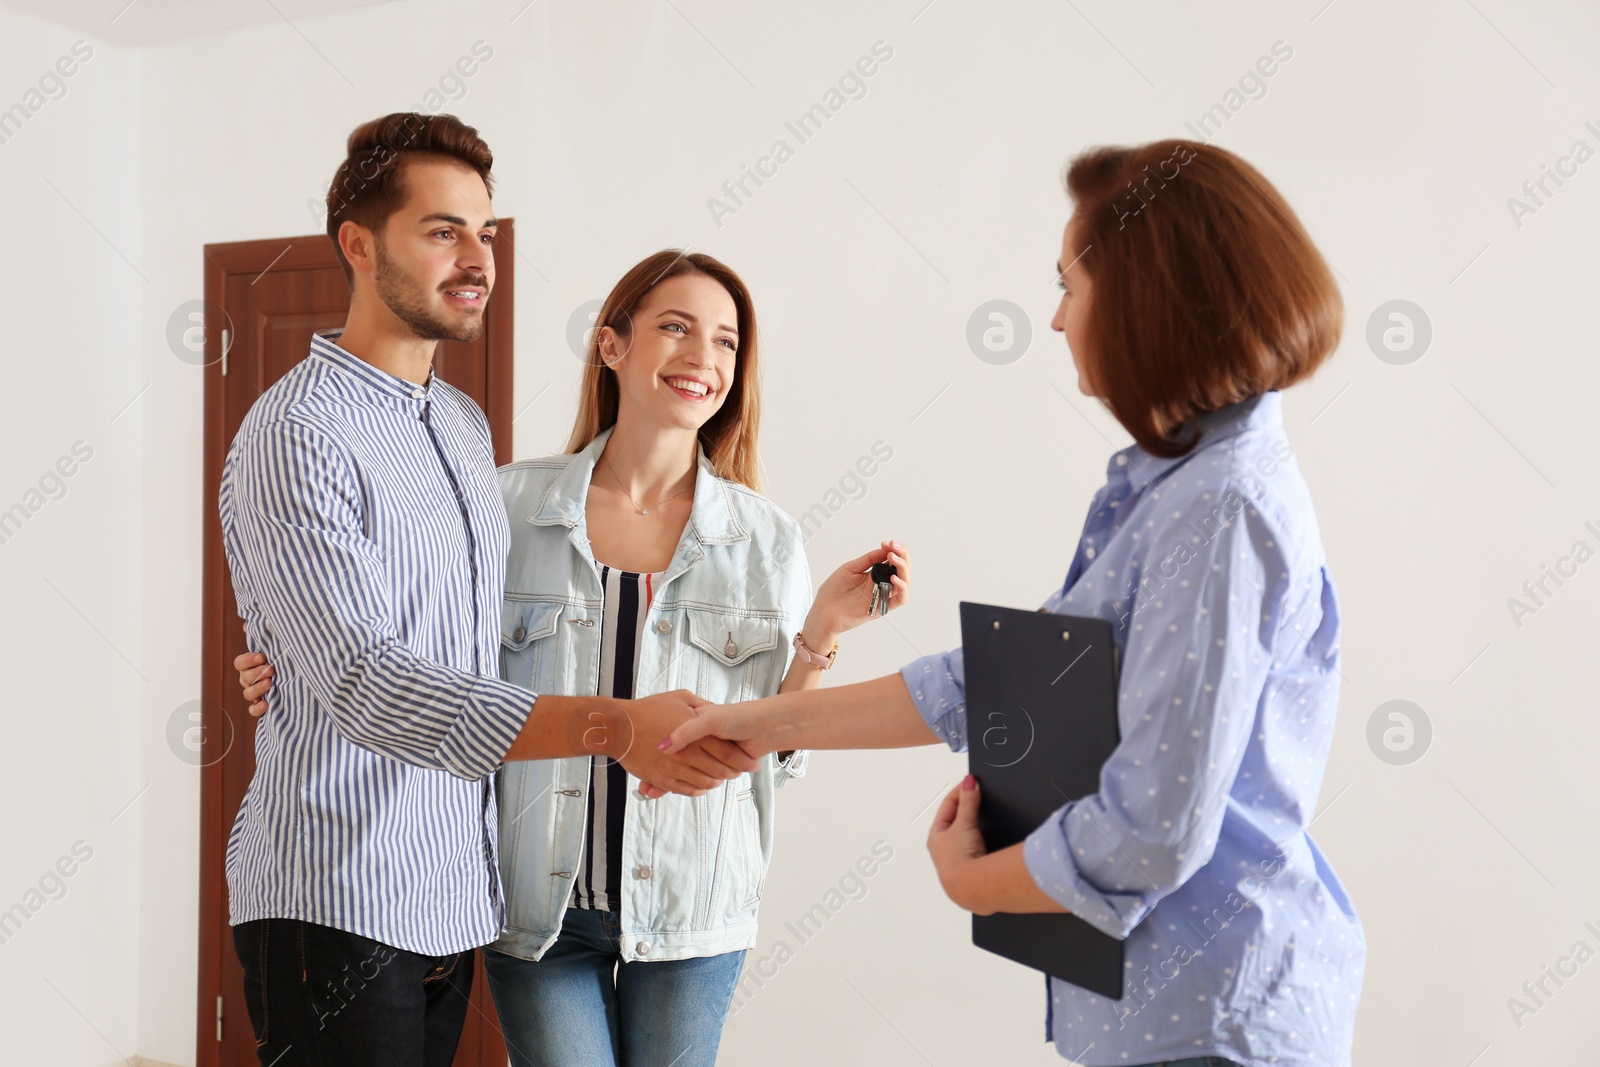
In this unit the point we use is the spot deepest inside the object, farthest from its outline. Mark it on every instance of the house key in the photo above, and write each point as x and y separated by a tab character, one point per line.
882	589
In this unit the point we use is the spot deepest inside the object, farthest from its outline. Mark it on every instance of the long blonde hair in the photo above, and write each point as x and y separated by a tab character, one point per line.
729	436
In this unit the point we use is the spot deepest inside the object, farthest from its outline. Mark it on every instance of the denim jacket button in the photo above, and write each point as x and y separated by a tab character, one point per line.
644	872
663	627
644	948
519	633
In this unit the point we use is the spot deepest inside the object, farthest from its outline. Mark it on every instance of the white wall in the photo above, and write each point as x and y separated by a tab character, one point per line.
1398	132
71	578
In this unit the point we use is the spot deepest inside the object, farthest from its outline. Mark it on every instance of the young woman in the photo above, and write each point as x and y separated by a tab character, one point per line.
1191	296
644	560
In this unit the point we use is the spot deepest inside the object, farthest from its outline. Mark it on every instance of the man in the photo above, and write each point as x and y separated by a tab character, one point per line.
367	540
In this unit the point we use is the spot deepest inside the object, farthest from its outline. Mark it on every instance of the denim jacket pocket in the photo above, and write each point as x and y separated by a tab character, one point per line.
526	657
734	647
733	848
748	826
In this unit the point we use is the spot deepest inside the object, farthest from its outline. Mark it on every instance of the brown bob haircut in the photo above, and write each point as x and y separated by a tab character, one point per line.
369	185
729	436
1206	288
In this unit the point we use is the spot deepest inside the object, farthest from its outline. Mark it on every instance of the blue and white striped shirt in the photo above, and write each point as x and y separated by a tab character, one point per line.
367	538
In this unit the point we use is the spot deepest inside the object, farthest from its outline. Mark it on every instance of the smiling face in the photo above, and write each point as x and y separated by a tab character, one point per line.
1071	318
434	258
676	365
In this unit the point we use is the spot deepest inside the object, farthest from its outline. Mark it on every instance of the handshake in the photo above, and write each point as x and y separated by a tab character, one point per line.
672	742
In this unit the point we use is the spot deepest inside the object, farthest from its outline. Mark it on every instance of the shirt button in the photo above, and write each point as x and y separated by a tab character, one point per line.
663	627
644	872
1087	552
418	393
644	948
1122	461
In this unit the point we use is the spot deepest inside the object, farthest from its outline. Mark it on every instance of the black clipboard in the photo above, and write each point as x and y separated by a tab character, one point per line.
1041	693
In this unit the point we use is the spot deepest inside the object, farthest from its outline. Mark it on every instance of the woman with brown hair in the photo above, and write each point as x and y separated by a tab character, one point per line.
1191	296
644	560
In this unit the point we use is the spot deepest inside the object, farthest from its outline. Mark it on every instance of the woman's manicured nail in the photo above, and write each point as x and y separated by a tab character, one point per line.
969	782
665	744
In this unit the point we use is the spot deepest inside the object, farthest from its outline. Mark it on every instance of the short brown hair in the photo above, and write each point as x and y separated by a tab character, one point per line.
370	184
729	436
1206	288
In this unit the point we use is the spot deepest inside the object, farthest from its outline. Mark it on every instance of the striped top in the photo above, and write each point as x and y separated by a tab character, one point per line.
598	886
367	537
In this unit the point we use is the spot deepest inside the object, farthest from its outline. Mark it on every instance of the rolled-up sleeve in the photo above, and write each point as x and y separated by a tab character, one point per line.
1199	646
938	687
316	592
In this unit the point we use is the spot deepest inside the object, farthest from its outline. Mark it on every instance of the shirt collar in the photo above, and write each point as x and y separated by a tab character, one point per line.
1255	413
324	344
711	514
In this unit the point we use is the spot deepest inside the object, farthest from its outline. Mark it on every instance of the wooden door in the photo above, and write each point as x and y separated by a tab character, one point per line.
263	300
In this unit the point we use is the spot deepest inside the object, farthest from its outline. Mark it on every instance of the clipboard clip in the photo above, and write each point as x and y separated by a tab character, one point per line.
1066	635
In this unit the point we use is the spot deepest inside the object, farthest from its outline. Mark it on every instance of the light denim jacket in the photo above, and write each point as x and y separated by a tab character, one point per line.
722	622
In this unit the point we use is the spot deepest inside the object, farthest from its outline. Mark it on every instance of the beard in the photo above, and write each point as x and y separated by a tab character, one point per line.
408	300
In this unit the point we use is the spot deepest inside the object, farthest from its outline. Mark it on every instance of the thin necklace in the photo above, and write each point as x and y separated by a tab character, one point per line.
635	503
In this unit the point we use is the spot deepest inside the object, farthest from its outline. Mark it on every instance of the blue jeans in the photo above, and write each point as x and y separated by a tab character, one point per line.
582	1006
